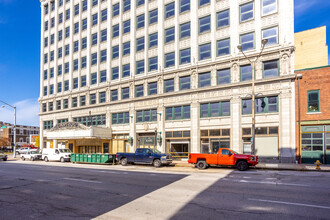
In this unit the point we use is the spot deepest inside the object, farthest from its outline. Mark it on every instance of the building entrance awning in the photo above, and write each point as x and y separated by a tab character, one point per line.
75	130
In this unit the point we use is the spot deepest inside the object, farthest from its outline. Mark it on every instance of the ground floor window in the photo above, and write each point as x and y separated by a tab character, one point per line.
315	144
213	139
90	149
120	143
178	143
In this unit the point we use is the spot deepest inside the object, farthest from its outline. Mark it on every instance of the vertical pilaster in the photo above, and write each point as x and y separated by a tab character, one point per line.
195	130
235	129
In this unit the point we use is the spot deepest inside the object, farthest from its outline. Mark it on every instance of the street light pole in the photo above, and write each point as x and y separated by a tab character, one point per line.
253	65
14	124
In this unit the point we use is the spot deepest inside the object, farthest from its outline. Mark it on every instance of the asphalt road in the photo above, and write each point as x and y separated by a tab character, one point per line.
30	190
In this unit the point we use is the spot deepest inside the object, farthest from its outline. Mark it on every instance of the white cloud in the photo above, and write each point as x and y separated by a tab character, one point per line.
26	112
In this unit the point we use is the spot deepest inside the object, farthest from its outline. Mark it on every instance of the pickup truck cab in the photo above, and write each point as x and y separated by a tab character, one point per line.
144	156
224	157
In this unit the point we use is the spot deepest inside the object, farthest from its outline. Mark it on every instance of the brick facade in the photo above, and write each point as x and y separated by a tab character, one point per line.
313	79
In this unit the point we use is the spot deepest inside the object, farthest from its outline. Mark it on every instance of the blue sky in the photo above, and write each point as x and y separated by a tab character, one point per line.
20	51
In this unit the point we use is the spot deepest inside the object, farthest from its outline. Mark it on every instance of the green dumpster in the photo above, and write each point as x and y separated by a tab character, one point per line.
98	158
104	158
73	157
89	158
85	158
112	158
81	158
93	158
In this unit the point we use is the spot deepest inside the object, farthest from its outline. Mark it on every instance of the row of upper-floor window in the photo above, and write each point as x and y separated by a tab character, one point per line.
84	5
270	69
246	12
268	104
222	47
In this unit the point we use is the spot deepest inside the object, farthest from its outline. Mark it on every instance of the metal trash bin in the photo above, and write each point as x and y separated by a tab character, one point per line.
73	157
104	158
89	158
112	158
81	158
93	158
85	158
98	158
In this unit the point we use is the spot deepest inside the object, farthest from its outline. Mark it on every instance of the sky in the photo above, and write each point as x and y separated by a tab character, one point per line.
20	52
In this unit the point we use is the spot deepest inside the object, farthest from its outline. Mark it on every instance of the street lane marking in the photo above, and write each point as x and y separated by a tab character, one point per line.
264	182
88	181
164	202
290	203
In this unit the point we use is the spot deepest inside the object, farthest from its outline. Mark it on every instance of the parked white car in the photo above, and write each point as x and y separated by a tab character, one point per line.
31	155
56	154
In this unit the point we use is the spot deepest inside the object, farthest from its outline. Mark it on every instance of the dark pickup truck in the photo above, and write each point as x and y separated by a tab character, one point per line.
145	156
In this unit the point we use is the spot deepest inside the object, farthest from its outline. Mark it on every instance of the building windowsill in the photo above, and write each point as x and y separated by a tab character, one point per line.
313	113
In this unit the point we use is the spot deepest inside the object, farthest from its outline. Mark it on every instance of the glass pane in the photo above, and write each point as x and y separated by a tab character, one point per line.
168	134
214	109
225	132
273	130
186	133
225	108
177	112
204	110
308	135
177	133
246	131
317	135
262	130
247	107
215	132
204	133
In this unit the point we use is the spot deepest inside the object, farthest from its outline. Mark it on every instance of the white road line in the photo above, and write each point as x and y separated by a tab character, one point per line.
88	181
264	182
165	202
290	203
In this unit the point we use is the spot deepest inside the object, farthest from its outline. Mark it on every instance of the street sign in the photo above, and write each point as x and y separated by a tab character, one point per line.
4	126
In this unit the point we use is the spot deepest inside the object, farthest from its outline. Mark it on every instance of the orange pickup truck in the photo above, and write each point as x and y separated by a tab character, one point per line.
225	157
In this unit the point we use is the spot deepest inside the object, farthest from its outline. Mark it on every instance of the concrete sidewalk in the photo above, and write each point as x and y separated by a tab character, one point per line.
261	166
273	166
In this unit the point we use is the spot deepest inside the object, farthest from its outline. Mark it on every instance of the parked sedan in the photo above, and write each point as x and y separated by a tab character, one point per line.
3	156
31	155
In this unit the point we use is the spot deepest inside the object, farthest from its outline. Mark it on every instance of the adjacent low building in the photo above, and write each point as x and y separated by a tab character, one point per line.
119	75
313	114
23	133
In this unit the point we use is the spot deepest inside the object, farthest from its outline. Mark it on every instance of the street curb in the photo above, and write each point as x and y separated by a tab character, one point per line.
265	168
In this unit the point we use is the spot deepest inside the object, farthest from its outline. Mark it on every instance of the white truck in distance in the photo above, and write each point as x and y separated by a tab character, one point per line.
55	154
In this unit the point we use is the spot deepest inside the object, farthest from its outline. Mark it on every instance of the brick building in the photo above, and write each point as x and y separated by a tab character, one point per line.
314	137
23	133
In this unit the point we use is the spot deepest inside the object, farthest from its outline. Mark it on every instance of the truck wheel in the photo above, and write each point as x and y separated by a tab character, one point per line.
157	163
5	159
123	162
23	158
32	159
46	159
62	160
201	164
242	166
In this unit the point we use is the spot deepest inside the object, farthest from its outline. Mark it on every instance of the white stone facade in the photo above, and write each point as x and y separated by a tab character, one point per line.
281	86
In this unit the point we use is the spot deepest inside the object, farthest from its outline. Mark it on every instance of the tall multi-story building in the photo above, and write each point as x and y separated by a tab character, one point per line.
123	74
